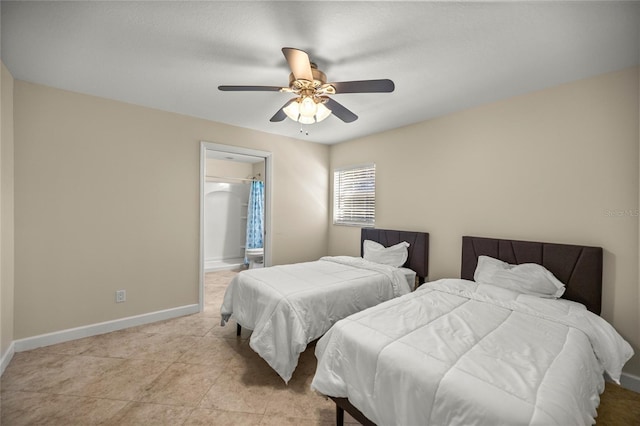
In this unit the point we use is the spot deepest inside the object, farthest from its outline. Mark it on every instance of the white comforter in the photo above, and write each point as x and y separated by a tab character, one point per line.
457	353
289	306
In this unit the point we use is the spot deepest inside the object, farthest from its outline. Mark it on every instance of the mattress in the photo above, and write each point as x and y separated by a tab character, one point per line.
288	306
456	352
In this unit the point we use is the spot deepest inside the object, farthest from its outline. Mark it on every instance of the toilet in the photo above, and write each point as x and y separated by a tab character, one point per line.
255	257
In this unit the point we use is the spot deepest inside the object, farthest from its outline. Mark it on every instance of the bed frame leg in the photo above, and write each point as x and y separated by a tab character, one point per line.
339	416
238	330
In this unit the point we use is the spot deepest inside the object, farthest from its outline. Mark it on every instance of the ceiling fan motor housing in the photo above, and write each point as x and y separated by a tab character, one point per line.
319	78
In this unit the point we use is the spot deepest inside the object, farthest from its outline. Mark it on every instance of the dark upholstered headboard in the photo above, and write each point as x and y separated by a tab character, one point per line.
578	267
418	259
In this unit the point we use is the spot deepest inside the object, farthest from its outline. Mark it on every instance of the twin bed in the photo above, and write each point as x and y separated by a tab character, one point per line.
503	349
516	340
289	306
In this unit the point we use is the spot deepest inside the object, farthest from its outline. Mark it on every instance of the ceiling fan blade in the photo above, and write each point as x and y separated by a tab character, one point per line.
249	88
364	86
299	63
340	111
281	115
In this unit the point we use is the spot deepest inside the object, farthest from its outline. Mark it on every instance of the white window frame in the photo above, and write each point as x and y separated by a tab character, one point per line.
353	206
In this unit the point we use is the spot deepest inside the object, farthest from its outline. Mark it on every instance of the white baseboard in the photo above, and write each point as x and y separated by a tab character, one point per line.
99	328
631	382
6	357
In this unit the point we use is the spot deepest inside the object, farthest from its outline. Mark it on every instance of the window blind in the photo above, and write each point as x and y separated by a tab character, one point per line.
354	195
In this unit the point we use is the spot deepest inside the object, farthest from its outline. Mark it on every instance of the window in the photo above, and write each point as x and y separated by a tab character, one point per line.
354	195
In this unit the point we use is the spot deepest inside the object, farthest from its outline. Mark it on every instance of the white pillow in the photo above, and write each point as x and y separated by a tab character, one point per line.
395	255
527	278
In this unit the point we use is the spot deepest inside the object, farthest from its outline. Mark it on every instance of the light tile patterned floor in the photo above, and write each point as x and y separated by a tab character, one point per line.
185	371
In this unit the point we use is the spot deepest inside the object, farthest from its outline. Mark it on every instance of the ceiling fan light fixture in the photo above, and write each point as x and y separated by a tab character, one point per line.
306	120
310	86
308	107
322	112
307	110
293	110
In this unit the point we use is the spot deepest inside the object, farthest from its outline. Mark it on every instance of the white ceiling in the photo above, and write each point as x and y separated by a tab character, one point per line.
442	56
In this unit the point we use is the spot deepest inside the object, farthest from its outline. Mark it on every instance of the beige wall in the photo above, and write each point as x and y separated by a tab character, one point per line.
106	194
227	168
6	211
259	171
558	165
107	198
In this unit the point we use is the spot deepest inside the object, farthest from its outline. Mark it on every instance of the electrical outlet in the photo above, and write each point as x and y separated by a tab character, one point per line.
121	296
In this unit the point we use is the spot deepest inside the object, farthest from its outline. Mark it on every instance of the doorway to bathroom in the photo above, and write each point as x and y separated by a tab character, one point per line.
235	209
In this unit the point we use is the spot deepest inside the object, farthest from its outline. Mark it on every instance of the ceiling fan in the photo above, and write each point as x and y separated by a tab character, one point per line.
312	103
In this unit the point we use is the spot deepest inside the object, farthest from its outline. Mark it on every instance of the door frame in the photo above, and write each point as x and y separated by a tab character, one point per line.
268	167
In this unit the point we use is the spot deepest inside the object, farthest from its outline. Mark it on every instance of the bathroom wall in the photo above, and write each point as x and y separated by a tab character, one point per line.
225	224
258	170
228	168
225	213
